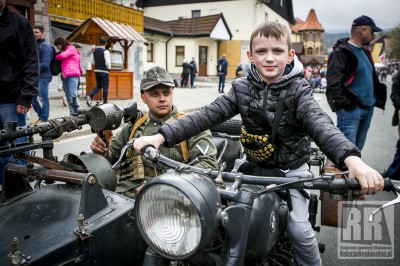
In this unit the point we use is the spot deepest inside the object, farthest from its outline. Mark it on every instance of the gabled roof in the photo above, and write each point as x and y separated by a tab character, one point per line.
297	26
113	30
311	22
156	25
190	27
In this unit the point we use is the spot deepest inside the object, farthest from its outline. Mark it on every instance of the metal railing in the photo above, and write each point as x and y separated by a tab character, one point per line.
83	9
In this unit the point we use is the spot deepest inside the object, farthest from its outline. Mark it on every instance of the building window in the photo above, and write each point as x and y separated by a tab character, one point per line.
310	37
196	13
179	55
150	52
266	17
309	51
317	51
317	36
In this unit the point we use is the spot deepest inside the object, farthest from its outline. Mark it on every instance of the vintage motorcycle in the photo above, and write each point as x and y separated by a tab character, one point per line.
184	216
193	216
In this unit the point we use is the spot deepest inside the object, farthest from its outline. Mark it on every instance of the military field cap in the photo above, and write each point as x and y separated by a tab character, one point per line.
156	76
366	21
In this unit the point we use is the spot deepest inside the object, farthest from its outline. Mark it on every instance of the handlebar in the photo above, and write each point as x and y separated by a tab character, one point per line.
325	183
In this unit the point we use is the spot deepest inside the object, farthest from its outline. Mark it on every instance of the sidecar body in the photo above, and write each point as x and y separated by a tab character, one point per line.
67	223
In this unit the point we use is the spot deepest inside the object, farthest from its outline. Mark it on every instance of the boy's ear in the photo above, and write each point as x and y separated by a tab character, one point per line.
250	56
292	53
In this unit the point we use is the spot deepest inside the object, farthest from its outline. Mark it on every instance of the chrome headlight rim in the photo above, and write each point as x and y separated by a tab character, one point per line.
207	203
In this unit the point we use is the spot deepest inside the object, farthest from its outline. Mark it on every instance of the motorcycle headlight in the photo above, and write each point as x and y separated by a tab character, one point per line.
177	215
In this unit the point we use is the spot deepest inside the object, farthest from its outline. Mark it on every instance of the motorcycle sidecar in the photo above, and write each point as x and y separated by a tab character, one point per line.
70	223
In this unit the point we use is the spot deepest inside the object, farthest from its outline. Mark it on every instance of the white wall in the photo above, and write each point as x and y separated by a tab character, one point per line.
242	16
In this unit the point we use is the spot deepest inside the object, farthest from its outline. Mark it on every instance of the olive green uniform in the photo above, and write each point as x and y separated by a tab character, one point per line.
134	177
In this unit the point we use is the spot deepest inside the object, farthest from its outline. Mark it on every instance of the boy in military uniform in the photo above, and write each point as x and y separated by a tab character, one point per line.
156	89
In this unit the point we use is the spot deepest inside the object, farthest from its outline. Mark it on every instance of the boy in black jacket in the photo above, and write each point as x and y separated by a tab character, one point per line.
274	69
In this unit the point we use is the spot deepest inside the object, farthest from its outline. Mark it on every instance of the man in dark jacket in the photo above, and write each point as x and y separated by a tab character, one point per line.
353	86
101	60
19	70
45	51
222	71
394	169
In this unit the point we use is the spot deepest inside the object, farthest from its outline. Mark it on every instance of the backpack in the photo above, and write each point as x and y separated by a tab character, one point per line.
55	65
220	68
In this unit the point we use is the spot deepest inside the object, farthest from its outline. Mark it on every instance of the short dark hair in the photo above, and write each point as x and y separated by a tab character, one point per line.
39	27
102	41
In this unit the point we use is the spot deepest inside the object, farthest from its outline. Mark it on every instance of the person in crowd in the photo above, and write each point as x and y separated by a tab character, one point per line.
156	87
78	49
307	76
393	171
71	70
274	65
353	86
19	75
193	72
239	71
46	53
185	73
101	60
222	71
383	75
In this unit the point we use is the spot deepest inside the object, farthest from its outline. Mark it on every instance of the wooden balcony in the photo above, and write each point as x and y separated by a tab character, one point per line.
74	12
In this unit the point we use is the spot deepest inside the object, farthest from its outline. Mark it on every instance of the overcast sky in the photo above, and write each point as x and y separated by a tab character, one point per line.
337	15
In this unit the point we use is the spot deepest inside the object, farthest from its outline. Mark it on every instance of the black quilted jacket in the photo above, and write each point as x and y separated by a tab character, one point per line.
302	117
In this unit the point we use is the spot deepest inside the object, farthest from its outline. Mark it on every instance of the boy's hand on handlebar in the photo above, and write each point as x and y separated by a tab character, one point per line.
98	146
155	140
370	180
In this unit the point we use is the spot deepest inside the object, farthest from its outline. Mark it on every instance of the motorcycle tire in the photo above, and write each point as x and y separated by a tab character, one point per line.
230	127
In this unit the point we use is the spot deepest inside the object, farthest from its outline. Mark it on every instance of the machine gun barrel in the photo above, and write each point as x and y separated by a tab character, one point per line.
60	125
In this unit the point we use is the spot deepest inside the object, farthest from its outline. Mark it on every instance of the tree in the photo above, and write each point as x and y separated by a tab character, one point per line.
394	46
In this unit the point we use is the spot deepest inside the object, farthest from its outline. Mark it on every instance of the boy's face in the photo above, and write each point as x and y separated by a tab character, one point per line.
159	100
270	57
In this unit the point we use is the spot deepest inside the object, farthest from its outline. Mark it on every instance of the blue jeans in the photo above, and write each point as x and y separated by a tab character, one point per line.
355	124
42	110
192	78
70	87
8	113
393	172
221	84
102	81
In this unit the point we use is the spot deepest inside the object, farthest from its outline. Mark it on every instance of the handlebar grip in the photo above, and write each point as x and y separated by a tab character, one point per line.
355	185
148	148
